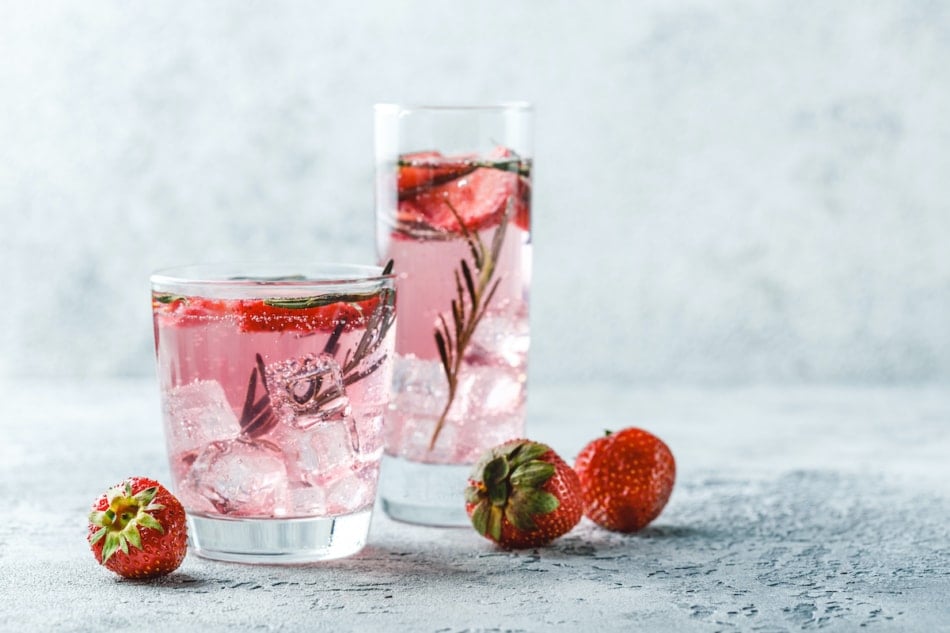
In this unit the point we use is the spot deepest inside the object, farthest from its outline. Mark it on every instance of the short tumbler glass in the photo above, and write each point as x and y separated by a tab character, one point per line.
274	381
453	211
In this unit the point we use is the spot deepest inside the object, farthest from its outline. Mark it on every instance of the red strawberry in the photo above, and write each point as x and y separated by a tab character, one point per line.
627	479
269	316
137	529
522	494
426	169
478	197
522	212
187	310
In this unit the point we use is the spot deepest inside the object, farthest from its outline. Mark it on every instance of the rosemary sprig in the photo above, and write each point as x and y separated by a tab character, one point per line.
302	303
474	292
258	417
515	164
167	297
378	325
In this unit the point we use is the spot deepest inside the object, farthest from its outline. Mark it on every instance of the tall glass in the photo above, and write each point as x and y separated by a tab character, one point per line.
274	382
453	211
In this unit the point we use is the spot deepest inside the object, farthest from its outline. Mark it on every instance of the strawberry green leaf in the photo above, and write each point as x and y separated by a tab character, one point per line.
132	534
144	497
110	546
98	536
495	516
532	474
147	520
496	470
480	517
471	494
498	493
527	452
538	502
520	516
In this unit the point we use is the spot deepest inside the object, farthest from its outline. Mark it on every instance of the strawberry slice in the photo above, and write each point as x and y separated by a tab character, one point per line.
262	316
427	169
522	211
271	315
185	311
478	194
479	199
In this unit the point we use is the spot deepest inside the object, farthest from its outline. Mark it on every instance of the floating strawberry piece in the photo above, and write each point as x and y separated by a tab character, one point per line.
522	494
426	169
627	479
137	529
188	310
479	196
522	212
280	316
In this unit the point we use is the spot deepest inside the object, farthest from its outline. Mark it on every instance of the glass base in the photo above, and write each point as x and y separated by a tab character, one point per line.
278	541
425	494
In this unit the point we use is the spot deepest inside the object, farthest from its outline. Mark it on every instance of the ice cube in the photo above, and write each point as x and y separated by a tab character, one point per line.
308	390
307	501
487	392
241	478
419	387
353	490
334	445
499	339
369	433
198	413
336	480
487	409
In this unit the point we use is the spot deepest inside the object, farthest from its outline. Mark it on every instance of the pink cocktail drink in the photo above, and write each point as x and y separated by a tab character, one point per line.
274	391
449	408
457	226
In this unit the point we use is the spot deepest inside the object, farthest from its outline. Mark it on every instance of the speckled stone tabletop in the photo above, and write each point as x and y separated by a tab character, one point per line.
795	509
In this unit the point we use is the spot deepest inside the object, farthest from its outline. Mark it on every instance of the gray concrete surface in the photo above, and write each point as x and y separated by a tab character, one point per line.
794	510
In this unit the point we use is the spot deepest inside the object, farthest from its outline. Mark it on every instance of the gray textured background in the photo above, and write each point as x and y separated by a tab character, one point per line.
726	191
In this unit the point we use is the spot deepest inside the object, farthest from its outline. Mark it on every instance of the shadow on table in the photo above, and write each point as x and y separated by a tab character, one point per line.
587	540
447	560
591	540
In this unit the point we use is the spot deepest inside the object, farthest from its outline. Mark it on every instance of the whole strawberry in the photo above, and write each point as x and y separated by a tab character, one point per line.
627	478
522	494
137	529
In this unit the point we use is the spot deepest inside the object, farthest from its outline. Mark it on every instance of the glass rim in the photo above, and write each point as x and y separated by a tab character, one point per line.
269	275
524	106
